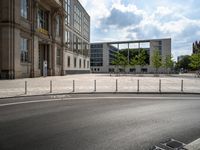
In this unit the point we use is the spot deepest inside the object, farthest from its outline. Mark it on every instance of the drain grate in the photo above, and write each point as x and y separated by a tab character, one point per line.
170	144
174	144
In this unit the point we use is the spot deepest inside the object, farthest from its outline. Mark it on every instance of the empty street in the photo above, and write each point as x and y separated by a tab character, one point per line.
97	121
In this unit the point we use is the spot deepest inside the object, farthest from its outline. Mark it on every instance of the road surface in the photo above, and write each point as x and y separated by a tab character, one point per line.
97	122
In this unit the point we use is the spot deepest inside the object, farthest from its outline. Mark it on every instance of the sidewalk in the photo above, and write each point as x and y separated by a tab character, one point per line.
85	83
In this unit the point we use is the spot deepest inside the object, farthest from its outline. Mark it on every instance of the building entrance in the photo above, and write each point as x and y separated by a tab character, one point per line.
44	59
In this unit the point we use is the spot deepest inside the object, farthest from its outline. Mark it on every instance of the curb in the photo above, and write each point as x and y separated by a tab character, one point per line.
84	93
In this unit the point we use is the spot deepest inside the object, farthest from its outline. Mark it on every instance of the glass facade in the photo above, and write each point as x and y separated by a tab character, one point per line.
86	28
77	19
77	32
68	12
96	55
112	52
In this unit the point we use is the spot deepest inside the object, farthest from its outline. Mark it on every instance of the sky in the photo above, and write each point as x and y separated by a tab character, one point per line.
119	20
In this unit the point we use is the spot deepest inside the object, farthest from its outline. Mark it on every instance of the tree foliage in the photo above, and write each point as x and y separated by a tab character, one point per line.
141	58
195	61
156	60
136	57
168	62
133	62
184	63
133	53
120	60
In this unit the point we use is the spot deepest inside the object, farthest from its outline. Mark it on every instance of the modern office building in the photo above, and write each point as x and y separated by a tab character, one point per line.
38	36
102	54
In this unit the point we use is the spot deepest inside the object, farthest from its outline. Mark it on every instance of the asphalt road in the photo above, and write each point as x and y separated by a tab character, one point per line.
97	122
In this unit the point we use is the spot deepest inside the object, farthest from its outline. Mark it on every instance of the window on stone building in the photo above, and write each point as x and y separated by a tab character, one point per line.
74	62
58	28
24	50
42	19
79	46
68	61
68	40
58	57
84	63
88	63
24	8
80	63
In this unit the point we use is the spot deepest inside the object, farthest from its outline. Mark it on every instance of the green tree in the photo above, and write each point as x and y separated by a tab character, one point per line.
124	62
184	63
141	58
133	62
168	63
120	60
156	60
195	61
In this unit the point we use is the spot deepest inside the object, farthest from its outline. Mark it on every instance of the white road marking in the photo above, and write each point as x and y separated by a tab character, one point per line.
92	98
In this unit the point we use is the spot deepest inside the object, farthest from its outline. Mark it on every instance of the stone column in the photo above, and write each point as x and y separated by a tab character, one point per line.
50	71
53	58
33	17
63	44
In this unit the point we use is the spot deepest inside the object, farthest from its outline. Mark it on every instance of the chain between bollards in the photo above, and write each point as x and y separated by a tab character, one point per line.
73	86
26	90
51	88
182	86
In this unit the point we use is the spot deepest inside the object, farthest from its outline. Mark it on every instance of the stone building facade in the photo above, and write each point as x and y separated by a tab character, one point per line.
35	32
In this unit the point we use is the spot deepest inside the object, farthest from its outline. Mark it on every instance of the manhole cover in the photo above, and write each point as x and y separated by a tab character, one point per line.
170	144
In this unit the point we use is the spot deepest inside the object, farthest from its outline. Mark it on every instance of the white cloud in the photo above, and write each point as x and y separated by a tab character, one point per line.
168	18
97	10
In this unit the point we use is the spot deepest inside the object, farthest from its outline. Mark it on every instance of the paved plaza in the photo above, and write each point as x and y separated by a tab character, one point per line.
89	83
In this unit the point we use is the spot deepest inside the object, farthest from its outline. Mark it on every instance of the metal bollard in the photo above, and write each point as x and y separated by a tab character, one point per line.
182	86
116	85
26	91
95	86
138	85
73	86
160	86
51	87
